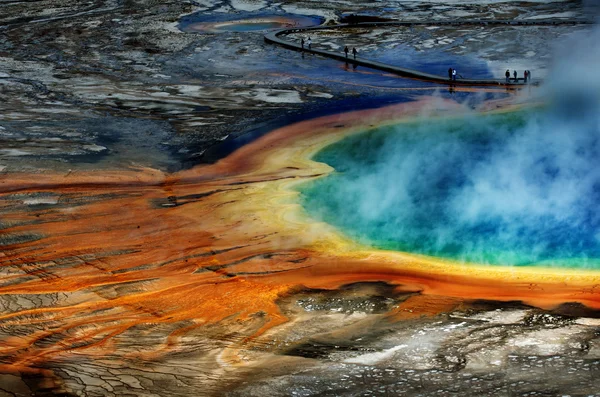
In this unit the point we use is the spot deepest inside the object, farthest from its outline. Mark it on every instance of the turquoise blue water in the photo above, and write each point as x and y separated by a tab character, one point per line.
511	189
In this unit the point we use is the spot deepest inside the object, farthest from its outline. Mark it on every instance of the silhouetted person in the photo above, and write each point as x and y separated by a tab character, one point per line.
449	73
525	76
302	43
309	42
507	74
454	74
354	52
346	51
515	74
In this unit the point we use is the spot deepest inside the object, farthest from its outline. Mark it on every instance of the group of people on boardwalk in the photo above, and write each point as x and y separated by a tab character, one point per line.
452	74
354	52
308	44
526	76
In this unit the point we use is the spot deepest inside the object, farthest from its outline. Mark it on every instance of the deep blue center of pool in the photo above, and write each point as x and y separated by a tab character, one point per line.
518	188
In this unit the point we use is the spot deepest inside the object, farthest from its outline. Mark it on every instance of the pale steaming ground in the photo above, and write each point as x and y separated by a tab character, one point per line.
519	188
487	351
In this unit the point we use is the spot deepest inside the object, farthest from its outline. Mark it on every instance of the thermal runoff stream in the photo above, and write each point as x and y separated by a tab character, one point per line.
512	188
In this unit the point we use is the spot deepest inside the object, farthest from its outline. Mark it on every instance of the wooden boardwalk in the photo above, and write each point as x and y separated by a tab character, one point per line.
274	38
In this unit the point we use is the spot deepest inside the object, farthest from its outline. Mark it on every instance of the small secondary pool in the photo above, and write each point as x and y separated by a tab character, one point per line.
246	22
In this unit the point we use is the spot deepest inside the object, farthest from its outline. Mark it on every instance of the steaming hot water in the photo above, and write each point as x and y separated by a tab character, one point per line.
516	188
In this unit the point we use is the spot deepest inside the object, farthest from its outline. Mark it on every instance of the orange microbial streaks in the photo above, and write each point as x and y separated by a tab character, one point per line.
424	306
122	252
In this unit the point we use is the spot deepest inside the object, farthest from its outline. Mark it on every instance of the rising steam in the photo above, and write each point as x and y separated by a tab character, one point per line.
515	188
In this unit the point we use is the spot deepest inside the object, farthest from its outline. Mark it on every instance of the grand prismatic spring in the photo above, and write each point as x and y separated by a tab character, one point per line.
191	206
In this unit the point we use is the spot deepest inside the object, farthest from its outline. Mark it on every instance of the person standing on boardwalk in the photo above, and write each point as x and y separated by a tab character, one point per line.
525	76
346	51
309	42
449	73
507	74
515	74
454	74
302	43
354	52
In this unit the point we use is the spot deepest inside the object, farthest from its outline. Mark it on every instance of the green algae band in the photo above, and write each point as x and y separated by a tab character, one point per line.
515	188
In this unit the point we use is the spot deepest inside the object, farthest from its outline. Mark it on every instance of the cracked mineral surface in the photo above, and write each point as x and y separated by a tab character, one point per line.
151	245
